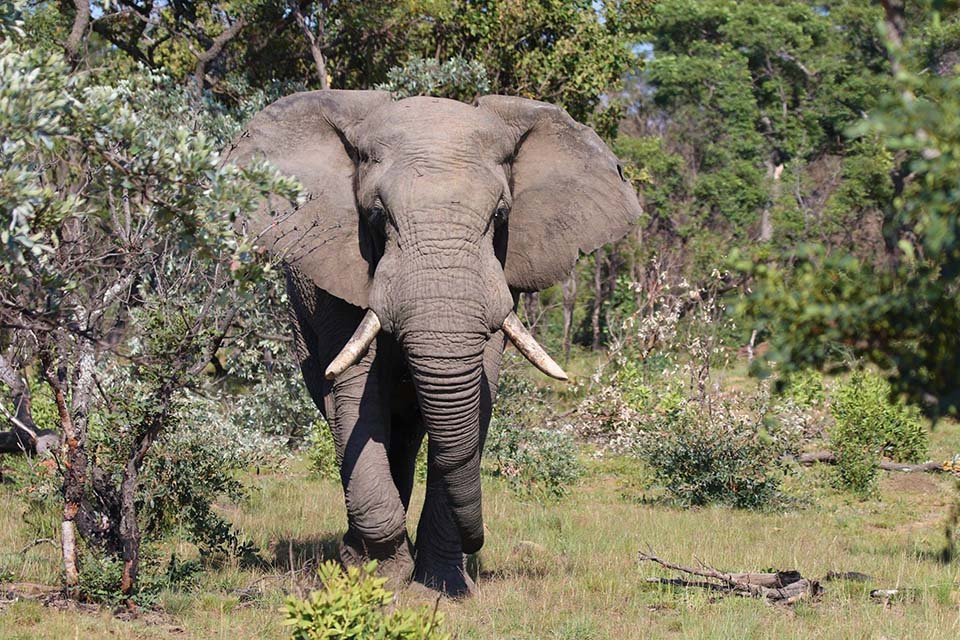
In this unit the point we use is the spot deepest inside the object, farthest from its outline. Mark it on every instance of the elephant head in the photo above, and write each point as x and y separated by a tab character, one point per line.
431	214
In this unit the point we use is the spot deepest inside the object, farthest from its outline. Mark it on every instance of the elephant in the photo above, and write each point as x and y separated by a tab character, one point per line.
425	219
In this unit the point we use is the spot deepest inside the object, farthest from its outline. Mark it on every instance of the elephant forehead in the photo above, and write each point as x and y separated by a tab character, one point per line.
436	125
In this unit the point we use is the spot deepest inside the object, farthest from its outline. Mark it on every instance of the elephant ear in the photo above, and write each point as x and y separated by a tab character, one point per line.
307	136
569	193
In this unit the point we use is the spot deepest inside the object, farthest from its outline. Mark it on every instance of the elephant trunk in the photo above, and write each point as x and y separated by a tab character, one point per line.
448	387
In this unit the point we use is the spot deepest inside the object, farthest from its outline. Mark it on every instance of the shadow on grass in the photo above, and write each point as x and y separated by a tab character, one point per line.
306	553
518	566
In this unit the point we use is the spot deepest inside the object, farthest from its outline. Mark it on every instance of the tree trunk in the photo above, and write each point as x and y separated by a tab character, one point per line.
531	309
896	25
129	530
828	457
81	21
56	377
208	56
598	258
73	421
774	171
320	65
569	288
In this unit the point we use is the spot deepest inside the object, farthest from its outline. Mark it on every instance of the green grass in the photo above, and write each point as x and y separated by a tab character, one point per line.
579	579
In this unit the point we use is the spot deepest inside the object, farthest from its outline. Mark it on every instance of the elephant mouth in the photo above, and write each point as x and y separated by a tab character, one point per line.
369	327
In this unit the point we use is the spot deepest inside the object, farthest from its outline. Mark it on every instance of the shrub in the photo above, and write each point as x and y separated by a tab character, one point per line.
322	455
868	426
704	455
322	452
279	406
536	462
101	576
803	388
457	78
352	605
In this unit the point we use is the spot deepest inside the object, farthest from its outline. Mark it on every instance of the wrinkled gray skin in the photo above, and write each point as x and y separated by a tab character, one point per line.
434	214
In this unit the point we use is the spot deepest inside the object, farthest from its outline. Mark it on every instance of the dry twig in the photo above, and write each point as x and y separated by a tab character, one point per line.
782	587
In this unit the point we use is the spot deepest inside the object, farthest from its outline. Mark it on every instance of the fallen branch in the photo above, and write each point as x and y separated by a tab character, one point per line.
828	457
38	542
782	587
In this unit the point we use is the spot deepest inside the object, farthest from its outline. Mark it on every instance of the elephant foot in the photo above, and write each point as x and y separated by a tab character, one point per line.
450	579
394	558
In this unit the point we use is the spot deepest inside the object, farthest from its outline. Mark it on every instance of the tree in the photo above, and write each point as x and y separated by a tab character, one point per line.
735	133
903	315
118	241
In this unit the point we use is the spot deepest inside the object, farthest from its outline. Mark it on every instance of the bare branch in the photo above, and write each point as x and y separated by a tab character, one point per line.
315	50
208	56
81	22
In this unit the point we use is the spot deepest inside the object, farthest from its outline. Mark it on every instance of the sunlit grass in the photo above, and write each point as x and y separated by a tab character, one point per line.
569	570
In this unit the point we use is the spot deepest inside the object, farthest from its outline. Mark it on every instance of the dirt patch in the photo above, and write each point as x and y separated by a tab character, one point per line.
917	483
53	598
930	521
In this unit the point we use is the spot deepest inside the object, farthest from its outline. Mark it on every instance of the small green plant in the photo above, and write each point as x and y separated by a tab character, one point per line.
101	575
322	453
536	462
420	468
868	426
804	388
705	455
353	605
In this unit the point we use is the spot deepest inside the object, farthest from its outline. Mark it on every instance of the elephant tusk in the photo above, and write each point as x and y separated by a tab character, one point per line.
358	344
530	348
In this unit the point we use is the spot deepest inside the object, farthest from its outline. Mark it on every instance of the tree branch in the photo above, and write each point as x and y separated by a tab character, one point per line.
318	61
81	22
208	56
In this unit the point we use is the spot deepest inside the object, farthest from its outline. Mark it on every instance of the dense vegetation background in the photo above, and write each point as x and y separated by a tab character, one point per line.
798	165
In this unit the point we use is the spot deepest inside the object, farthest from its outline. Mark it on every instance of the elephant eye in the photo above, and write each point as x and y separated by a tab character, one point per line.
377	214
502	213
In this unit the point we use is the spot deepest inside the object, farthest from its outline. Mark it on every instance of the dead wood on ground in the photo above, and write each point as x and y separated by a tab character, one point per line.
780	587
828	457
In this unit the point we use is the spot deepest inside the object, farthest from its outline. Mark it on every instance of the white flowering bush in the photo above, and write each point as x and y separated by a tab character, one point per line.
456	78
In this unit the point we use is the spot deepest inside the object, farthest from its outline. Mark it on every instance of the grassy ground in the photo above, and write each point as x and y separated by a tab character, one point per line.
567	571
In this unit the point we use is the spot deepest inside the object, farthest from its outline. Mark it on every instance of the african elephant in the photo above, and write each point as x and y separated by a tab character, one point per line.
426	218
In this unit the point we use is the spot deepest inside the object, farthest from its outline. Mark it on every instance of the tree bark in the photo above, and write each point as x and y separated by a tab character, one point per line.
531	309
319	63
129	530
569	288
73	421
81	21
895	20
598	258
774	171
783	587
73	480
208	56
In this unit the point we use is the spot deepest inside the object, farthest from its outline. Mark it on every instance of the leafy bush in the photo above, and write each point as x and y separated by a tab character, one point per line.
703	455
322	453
803	387
277	405
457	78
868	426
352	604
536	462
101	575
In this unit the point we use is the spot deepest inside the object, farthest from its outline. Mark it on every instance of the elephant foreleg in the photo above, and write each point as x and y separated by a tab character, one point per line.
406	437
376	515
